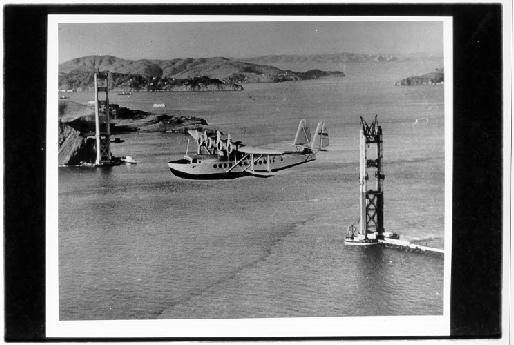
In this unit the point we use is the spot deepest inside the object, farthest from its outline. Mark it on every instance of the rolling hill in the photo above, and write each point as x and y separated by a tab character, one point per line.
78	71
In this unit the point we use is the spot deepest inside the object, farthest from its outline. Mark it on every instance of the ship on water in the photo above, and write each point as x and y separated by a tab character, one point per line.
218	157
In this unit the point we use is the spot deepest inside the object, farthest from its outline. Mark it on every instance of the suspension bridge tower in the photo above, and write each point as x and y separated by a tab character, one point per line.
371	196
102	119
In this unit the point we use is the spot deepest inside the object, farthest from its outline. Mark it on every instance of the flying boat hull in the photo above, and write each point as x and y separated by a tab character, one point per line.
209	169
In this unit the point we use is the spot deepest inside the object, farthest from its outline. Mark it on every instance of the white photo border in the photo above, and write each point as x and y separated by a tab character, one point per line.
383	326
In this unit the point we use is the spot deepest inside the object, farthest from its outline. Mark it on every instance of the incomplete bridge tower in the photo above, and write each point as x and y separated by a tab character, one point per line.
372	199
102	119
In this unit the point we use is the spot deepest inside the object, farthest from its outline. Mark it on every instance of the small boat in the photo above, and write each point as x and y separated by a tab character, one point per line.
128	160
124	93
159	105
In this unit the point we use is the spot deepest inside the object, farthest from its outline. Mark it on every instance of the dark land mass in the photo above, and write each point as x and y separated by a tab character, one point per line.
124	120
432	78
78	80
77	128
190	74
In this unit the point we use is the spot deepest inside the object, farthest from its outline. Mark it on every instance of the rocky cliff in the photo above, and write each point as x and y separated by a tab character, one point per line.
74	148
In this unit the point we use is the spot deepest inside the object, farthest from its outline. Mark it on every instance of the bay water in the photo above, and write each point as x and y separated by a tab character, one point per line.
136	242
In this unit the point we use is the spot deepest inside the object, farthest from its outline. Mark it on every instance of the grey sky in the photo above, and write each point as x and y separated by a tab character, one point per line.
172	40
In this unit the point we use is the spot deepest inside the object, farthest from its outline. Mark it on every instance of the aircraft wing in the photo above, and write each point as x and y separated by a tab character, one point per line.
259	151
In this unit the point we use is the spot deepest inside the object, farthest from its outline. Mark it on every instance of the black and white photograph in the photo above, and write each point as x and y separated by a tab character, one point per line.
257	172
252	168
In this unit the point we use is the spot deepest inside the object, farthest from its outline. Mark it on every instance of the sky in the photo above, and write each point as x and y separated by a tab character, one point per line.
239	39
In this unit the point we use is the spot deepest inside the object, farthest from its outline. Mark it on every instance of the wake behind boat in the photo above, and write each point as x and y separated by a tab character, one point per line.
217	157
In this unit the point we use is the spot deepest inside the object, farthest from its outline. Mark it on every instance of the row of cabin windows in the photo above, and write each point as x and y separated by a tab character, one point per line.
259	162
222	165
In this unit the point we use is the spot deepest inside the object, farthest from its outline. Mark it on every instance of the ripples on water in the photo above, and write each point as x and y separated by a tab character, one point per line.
136	242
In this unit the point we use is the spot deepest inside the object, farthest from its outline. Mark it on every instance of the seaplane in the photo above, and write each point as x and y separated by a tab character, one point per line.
218	157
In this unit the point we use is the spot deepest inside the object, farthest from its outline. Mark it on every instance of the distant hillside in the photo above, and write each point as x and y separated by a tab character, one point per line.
436	77
111	64
79	71
322	58
353	65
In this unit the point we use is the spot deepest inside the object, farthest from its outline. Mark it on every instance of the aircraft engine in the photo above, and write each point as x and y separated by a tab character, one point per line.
211	143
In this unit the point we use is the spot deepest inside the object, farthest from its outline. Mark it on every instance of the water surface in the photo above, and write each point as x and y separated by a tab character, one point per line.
137	242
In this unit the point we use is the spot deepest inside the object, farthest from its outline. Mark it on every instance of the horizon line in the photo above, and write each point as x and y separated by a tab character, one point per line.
427	54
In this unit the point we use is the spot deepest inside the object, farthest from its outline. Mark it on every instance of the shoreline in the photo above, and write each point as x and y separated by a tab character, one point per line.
77	128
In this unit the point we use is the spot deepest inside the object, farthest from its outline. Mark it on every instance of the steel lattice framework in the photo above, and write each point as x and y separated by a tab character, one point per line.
371	199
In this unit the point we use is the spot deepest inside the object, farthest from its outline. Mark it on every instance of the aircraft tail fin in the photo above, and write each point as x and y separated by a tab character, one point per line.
303	134
320	139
